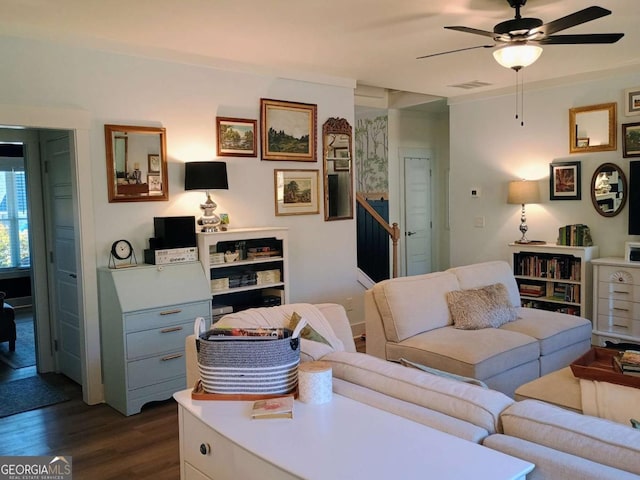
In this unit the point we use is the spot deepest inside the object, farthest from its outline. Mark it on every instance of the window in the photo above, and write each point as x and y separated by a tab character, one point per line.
14	220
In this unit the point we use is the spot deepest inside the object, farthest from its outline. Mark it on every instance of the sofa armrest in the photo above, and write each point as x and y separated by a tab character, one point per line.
376	338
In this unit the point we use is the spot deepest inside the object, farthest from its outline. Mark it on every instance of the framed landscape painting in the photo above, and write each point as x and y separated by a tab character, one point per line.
631	140
296	192
288	130
236	137
564	181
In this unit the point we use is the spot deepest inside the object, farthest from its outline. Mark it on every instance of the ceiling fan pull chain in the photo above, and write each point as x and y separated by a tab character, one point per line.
522	100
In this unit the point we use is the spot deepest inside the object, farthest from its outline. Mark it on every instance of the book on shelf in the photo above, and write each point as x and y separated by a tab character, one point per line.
281	407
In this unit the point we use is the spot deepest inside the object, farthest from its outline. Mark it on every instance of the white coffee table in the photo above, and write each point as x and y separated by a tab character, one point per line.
343	439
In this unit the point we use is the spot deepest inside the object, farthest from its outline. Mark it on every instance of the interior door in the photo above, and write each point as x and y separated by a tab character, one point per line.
63	301
417	210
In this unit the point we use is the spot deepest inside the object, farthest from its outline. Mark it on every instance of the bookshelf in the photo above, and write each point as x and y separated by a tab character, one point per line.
554	277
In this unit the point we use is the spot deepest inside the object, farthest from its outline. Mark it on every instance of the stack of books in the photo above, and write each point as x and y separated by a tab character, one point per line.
532	290
628	362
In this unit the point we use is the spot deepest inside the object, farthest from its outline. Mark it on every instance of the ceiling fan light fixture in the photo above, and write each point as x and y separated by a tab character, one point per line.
517	56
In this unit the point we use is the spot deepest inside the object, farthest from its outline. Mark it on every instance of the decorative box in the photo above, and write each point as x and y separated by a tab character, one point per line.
268	276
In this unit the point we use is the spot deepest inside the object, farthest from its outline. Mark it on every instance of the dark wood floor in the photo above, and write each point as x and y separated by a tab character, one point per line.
104	444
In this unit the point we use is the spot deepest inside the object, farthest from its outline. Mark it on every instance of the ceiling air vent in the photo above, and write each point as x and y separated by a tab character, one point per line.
470	85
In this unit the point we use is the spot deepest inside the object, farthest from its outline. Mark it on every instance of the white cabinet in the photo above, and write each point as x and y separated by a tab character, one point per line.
259	277
554	277
146	312
616	299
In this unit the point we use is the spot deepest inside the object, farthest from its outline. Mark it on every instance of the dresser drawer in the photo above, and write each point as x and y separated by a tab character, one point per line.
217	460
618	291
619	308
159	340
166	316
618	275
614	324
149	371
190	473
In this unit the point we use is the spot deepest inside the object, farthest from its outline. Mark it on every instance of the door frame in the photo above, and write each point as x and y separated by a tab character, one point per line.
402	154
79	122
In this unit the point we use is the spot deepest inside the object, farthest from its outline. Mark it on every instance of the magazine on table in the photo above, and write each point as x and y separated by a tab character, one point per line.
281	407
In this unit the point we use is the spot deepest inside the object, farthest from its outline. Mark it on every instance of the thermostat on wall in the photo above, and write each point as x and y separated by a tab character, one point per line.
632	251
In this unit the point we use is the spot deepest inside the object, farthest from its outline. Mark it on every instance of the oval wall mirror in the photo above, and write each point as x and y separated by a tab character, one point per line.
338	169
136	163
592	128
608	190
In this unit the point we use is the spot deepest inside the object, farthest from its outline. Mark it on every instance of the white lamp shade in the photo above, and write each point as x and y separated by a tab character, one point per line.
517	56
523	192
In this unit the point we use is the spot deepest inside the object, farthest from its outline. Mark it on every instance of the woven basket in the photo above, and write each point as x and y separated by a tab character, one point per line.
240	365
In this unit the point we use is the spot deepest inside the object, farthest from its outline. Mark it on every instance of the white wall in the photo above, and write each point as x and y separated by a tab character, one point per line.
489	148
185	99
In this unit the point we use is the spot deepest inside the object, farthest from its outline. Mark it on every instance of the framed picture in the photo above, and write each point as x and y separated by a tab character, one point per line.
564	181
237	137
631	140
632	101
296	192
154	182
582	142
288	130
341	165
153	163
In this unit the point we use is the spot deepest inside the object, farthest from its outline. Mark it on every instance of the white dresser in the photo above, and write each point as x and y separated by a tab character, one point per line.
336	440
146	312
616	300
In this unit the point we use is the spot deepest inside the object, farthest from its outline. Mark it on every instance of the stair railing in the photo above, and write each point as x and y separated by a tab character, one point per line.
393	230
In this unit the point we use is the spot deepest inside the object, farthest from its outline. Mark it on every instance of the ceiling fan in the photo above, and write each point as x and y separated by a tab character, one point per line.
531	32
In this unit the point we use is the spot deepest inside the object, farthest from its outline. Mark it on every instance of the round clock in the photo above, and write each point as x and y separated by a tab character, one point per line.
121	249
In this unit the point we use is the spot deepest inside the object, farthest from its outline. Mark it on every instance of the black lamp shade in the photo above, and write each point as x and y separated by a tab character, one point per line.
205	176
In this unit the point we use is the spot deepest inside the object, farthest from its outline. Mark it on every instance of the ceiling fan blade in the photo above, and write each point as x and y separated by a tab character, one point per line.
472	30
454	51
576	18
578	39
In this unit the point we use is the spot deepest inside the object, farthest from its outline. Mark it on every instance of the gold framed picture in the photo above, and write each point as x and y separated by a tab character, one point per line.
296	192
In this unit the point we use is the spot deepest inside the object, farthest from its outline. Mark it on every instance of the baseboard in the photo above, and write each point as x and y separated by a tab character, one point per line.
357	329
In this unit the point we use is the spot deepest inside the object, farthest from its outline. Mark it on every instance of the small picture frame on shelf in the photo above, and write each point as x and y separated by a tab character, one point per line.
564	181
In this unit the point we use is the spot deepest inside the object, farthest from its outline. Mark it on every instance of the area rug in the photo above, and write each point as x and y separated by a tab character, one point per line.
25	353
26	394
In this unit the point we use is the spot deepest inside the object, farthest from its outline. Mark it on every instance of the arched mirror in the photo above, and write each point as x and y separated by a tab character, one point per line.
136	163
338	169
592	128
609	190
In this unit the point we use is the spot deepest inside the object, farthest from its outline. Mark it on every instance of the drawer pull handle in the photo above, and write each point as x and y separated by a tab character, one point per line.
171	329
618	291
205	449
171	357
171	312
620	326
621	309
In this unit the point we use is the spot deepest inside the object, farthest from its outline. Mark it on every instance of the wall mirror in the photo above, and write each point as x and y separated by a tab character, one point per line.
592	128
136	163
338	169
609	190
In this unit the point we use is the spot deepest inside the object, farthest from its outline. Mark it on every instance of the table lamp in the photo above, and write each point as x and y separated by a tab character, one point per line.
522	192
206	176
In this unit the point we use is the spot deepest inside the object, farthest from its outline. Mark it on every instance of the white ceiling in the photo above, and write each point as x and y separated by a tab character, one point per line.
375	42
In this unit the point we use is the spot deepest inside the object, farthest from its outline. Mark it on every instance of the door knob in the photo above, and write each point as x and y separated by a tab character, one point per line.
411	233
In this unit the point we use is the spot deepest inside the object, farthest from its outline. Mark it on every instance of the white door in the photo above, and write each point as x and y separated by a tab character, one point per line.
417	212
63	301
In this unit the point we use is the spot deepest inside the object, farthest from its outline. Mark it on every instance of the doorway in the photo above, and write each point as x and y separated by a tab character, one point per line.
417	212
45	152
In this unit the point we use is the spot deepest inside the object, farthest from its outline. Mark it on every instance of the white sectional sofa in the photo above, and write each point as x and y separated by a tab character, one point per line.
562	444
409	317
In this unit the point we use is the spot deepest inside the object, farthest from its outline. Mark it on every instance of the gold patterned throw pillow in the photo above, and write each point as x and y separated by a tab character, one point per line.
308	332
481	307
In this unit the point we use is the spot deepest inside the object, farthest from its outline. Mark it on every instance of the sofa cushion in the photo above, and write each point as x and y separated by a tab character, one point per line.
411	305
553	464
479	354
487	273
480	307
553	330
411	411
466	402
440	373
597	439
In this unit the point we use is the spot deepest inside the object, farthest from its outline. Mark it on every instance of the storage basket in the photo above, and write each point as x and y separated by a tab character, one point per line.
247	365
